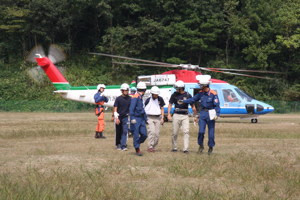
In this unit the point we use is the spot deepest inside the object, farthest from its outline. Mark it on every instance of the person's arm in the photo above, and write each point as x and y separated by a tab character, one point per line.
162	115
162	104
217	105
131	109
113	115
194	112
192	100
116	115
98	98
169	111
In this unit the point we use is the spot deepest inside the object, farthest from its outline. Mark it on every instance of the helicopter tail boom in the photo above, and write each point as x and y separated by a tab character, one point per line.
53	73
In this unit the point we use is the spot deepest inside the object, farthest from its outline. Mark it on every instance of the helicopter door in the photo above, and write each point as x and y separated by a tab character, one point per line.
231	101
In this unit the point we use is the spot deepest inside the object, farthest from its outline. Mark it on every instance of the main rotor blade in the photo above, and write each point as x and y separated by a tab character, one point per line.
235	73
245	70
143	64
141	60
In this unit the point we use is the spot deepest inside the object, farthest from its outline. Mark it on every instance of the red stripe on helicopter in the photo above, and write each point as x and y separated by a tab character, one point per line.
188	76
52	72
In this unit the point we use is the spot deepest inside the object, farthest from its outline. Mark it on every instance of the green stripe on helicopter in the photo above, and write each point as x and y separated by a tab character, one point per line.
67	86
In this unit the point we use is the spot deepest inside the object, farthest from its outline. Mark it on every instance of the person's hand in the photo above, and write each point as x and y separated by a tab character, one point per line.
180	101
216	117
196	119
103	94
162	120
117	121
169	117
133	121
112	118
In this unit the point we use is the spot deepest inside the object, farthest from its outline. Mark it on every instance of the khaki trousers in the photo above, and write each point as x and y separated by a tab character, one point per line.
182	120
153	131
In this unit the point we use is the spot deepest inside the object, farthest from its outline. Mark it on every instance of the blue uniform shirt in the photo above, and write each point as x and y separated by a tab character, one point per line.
209	100
99	98
136	108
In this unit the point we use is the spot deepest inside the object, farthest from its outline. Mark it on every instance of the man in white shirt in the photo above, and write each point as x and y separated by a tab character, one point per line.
154	108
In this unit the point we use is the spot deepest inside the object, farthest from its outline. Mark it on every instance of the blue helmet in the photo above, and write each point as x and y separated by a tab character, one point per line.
133	89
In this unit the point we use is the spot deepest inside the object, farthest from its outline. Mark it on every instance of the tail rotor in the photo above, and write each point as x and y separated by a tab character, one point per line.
55	54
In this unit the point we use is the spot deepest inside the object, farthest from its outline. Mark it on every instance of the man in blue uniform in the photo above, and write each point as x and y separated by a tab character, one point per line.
132	92
120	116
138	117
209	101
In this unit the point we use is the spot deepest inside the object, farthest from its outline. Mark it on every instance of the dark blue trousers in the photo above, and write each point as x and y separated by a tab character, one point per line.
203	121
140	132
122	132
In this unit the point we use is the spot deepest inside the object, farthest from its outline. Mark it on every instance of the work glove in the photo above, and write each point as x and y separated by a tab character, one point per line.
133	121
116	115
103	94
216	117
180	101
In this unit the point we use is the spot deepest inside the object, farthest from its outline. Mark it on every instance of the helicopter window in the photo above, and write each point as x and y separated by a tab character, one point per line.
244	96
229	96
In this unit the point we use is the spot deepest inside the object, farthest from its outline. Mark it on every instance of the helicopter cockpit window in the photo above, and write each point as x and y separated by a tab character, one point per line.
229	96
244	96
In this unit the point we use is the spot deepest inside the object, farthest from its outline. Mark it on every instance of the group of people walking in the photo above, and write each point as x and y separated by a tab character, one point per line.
151	112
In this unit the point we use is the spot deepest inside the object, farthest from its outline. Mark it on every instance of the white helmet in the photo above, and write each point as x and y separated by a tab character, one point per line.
124	86
204	80
141	85
100	86
179	85
155	90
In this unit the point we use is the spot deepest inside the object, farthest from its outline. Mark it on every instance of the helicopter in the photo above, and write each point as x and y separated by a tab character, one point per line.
233	101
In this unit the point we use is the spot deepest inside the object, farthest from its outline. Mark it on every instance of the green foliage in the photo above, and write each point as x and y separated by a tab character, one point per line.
250	34
45	106
293	93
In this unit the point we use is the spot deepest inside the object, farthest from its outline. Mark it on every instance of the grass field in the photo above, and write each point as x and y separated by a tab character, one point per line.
55	156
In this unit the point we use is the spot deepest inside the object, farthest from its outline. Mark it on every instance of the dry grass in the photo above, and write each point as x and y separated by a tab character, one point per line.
55	156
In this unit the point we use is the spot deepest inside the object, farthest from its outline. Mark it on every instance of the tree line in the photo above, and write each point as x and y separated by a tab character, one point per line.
238	34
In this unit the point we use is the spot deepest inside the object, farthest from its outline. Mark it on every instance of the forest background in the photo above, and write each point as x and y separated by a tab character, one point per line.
238	34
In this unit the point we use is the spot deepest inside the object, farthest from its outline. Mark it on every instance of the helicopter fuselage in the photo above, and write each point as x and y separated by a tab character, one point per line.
233	102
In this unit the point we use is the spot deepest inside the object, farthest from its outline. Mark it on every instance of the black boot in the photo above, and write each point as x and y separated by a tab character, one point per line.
201	148
210	150
97	135
101	136
138	152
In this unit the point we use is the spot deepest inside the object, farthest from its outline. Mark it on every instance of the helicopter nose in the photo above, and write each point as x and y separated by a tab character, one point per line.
270	108
265	108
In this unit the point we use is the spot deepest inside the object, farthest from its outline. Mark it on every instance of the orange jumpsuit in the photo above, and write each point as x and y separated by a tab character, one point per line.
99	111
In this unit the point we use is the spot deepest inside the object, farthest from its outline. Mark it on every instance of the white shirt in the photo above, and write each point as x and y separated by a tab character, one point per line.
153	107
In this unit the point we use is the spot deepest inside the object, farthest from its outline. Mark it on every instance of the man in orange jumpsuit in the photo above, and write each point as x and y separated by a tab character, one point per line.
99	111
